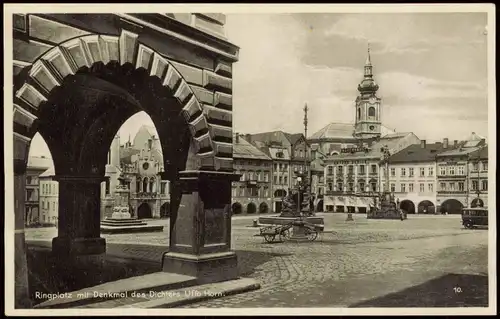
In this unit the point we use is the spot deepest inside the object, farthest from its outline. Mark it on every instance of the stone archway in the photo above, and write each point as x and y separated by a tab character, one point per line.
110	78
251	208
408	206
144	211
426	207
237	208
451	206
263	208
165	210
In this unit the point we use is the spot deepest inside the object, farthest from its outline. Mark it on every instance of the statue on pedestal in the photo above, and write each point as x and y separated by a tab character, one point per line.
121	208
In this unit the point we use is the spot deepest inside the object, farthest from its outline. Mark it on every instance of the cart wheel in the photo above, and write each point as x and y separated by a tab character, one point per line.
311	234
286	234
468	225
269	238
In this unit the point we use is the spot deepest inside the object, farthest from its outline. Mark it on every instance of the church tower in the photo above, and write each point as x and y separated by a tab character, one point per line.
368	110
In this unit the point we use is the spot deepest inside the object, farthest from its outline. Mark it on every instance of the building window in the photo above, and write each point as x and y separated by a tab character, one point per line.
281	180
28	180
384	171
484	185
257	176
461	186
452	170
403	188
461	170
340	187
475	166
330	170
330	187
393	172
286	179
442	186
285	166
275	167
351	187
321	179
275	179
410	187
422	171
320	191
361	187
374	169
411	171
442	170
422	187
374	187
266	177
393	188
485	166
163	189
475	185
362	169
431	171
452	186
403	171
371	111
107	187
350	169
340	170
430	187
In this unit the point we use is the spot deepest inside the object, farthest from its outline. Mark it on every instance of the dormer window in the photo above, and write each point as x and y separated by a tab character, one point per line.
279	155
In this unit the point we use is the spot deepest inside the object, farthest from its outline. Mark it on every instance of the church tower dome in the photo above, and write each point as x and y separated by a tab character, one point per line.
368	105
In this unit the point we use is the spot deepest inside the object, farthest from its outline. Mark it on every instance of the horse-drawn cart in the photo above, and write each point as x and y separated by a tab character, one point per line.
284	232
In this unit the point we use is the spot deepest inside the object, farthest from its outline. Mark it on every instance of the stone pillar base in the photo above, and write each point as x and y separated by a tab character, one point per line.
78	246
207	268
298	234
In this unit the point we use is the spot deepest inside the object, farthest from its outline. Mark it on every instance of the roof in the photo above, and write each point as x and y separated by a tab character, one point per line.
243	149
458	151
39	162
49	172
335	130
293	138
482	153
473	140
126	154
274	151
342	131
416	153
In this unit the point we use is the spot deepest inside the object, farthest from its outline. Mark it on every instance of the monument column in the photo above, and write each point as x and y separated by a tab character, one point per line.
200	235
79	216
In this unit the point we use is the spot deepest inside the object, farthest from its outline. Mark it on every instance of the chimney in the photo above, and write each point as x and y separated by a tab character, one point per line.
237	139
445	143
455	143
422	143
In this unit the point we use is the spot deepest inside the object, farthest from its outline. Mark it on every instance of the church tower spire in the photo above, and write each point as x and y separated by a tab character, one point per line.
368	120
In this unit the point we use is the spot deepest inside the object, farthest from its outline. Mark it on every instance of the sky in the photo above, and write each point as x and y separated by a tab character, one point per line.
431	69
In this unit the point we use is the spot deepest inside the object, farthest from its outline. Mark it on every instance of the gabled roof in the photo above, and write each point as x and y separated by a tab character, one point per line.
243	149
415	153
294	138
473	140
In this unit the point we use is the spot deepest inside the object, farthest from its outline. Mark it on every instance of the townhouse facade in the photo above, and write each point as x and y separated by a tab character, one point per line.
477	179
454	175
36	166
253	193
49	197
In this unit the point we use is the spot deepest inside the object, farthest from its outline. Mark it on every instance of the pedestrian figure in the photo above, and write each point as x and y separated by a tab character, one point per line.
401	214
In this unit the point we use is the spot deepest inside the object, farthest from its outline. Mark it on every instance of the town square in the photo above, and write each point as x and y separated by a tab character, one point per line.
326	160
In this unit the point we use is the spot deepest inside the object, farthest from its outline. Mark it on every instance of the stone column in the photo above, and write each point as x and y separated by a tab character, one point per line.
200	237
79	222
21	148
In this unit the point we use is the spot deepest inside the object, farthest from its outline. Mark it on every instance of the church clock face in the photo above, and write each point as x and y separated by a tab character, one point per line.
145	166
372	100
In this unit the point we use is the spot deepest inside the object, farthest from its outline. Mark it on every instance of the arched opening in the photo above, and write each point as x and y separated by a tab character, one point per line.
145	185
426	207
263	208
477	202
371	111
41	198
319	206
451	206
251	208
165	210
237	208
152	185
407	206
144	211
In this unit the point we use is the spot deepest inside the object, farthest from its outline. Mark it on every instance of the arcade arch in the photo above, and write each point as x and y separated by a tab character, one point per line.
451	206
408	206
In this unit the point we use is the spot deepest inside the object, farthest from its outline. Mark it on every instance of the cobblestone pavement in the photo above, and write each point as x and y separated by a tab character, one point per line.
358	261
